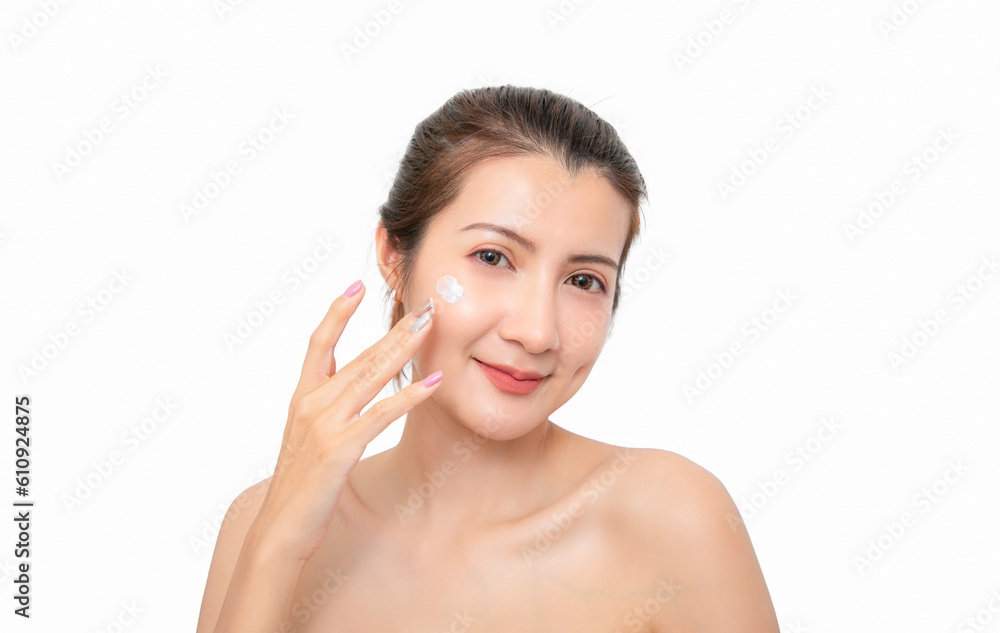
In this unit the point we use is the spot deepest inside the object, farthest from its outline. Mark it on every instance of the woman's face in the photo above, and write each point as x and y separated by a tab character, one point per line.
537	299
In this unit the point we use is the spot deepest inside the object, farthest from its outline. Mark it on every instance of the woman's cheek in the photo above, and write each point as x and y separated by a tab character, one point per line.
449	289
587	333
462	298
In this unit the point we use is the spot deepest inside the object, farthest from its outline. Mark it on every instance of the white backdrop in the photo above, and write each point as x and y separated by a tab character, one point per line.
822	183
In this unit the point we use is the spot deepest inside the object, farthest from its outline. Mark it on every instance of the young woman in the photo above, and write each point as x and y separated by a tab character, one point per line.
503	240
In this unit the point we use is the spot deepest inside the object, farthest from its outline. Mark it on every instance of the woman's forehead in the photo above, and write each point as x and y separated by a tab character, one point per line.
536	198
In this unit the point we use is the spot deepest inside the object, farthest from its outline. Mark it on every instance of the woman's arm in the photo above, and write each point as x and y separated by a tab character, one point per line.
262	549
250	585
260	595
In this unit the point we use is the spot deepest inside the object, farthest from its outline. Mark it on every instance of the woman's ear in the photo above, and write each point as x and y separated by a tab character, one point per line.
388	258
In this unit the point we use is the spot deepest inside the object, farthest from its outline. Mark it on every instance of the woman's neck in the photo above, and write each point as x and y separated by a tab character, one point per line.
444	478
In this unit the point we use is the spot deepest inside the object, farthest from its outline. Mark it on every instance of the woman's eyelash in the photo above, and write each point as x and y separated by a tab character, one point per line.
488	250
603	288
599	283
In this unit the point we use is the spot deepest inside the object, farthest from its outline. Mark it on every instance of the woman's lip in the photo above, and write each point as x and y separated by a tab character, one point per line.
507	383
513	373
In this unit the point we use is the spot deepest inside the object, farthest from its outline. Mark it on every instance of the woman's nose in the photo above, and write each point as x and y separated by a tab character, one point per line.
531	320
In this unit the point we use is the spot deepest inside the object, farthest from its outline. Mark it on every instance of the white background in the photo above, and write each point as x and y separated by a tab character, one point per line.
145	533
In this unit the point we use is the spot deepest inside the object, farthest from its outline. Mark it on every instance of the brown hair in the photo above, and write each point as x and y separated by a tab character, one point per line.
475	125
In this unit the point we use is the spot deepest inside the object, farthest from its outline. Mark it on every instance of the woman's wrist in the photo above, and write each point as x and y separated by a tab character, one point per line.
265	546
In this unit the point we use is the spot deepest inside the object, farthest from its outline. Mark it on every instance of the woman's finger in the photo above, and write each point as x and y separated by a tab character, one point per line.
319	363
384	412
364	377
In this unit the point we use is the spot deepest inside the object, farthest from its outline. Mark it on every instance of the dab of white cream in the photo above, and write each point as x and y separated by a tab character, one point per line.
449	289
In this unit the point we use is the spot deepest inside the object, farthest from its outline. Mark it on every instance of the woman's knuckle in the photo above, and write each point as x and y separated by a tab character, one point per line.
410	395
370	372
381	408
305	406
317	340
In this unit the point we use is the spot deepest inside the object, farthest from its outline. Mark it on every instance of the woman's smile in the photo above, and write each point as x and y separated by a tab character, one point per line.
507	383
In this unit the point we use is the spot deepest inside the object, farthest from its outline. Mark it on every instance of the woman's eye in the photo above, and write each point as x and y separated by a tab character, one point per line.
588	281
492	258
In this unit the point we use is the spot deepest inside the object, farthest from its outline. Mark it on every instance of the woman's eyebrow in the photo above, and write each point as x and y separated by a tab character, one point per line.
529	246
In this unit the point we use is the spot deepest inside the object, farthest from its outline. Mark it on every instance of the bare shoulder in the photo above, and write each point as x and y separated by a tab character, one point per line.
679	519
663	490
240	515
653	487
669	487
233	531
249	500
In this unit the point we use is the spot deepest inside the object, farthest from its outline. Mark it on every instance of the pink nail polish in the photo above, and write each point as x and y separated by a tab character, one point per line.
433	379
353	289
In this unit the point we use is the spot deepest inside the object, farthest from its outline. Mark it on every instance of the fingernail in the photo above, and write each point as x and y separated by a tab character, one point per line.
422	314
353	289
432	379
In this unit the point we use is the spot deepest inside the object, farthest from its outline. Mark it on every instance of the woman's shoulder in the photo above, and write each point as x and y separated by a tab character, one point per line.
649	471
662	492
671	515
673	524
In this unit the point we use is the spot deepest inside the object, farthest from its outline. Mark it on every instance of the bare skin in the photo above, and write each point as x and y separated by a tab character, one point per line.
611	556
486	515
